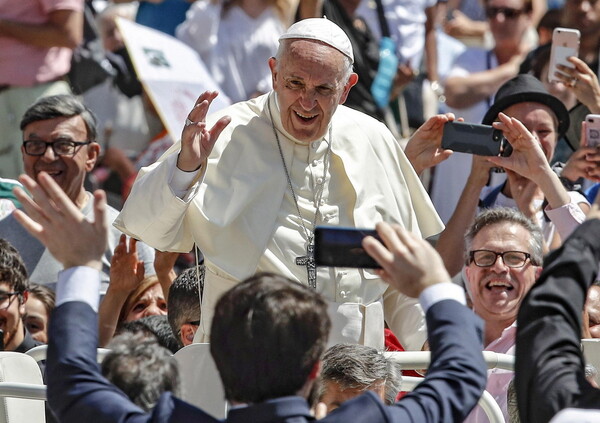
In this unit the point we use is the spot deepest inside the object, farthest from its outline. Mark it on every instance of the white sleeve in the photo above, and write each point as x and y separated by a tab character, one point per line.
79	283
440	292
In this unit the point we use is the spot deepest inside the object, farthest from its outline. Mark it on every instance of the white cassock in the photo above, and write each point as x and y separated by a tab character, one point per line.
242	215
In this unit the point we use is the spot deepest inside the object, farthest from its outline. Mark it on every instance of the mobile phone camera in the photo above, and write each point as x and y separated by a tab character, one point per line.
497	135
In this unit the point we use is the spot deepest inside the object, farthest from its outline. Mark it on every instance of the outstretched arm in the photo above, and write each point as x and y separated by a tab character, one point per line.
76	389
549	367
457	374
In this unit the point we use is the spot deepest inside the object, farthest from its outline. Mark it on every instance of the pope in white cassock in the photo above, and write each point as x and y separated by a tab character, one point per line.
249	183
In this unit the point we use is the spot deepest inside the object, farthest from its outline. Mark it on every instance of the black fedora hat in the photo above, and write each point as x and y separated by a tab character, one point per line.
527	88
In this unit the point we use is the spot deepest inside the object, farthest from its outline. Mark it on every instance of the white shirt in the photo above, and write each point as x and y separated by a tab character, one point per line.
235	47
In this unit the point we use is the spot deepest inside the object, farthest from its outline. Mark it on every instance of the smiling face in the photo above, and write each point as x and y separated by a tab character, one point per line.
309	82
68	171
11	318
151	303
497	291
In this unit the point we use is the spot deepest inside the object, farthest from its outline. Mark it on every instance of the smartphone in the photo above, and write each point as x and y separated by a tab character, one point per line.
592	130
473	138
337	246
565	43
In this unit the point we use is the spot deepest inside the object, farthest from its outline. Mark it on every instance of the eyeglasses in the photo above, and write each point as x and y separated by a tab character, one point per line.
487	258
5	299
60	148
507	12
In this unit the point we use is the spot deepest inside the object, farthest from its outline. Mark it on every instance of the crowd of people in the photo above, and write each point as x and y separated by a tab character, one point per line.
114	234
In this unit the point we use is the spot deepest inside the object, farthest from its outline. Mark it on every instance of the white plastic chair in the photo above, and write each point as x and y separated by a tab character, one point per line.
414	360
200	380
21	382
39	353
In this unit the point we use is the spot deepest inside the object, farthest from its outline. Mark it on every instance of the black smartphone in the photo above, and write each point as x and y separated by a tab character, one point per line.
473	138
337	246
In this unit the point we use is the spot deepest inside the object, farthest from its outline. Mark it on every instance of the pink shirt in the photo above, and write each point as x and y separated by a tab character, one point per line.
22	64
498	379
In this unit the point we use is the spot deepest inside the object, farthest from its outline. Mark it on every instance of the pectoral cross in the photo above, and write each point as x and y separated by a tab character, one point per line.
309	261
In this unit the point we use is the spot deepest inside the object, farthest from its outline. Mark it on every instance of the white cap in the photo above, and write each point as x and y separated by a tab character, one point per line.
321	29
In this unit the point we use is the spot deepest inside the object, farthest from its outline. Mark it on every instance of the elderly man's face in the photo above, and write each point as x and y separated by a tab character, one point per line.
497	290
540	120
68	171
12	309
309	86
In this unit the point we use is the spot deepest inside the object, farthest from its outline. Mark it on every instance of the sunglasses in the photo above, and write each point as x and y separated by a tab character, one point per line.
507	12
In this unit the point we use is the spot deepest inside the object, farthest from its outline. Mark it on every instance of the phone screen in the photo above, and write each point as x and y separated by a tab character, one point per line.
342	247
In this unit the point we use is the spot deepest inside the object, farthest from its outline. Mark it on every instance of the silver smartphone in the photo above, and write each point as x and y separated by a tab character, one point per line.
565	43
592	130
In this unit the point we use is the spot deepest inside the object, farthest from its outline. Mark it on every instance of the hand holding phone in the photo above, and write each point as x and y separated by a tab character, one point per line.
342	247
565	43
472	138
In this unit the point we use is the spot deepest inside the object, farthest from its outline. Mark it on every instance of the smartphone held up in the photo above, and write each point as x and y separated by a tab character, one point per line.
592	130
342	247
565	43
472	138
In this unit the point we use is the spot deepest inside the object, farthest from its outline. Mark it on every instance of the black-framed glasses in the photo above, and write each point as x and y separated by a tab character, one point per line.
507	12
60	148
487	258
6	299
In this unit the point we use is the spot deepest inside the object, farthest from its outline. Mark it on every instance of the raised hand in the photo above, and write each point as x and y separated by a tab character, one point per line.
196	140
584	162
126	270
56	222
582	81
409	264
527	158
424	148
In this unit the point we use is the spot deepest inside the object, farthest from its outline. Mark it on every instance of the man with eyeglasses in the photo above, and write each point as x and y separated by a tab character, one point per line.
13	295
504	251
59	137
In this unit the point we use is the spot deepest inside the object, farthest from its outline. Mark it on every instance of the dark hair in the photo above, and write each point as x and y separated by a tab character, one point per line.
156	326
499	215
360	367
141	368
62	105
267	334
12	268
46	296
183	303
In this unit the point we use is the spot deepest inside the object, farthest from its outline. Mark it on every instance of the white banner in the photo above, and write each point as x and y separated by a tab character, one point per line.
171	72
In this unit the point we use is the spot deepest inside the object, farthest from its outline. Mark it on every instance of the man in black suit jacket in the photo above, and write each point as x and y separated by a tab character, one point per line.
549	367
268	333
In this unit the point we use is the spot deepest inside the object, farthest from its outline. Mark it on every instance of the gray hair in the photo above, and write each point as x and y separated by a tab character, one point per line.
62	105
183	301
498	215
283	45
141	368
360	367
